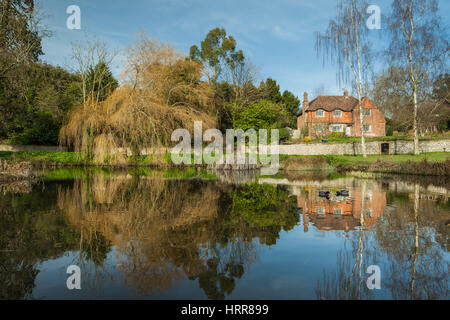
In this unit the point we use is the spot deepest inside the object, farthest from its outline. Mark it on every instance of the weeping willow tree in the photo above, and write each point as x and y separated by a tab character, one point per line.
161	91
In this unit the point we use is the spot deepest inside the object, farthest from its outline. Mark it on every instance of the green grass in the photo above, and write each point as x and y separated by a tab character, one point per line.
73	173
44	156
432	164
68	159
397	158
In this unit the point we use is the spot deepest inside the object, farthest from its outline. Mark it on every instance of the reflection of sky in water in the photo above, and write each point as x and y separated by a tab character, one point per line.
288	270
300	265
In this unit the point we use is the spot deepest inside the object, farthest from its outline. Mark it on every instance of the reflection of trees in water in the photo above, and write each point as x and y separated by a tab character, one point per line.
417	268
413	235
31	231
166	230
349	280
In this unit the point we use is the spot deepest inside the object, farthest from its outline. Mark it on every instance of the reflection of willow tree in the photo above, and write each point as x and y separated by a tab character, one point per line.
31	231
166	230
417	267
348	283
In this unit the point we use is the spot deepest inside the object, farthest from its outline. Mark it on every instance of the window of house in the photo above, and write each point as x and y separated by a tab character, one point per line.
337	113
320	113
368	196
337	128
319	127
367	128
320	211
337	211
366	112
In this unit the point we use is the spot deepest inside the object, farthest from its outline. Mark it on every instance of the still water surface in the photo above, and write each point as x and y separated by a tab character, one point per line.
170	235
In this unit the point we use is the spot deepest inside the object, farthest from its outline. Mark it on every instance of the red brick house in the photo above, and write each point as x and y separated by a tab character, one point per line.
327	114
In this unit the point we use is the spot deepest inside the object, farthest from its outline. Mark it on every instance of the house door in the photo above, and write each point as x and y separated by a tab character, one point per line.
348	131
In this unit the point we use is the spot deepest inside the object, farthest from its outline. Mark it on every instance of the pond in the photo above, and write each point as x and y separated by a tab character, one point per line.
187	234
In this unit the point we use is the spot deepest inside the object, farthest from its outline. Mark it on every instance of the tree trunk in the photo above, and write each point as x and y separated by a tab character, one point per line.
361	124
359	81
416	239
415	124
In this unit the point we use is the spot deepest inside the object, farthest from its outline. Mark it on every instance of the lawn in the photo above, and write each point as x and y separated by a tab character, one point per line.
397	158
69	158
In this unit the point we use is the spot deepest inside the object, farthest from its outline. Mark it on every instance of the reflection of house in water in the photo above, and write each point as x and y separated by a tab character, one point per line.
341	212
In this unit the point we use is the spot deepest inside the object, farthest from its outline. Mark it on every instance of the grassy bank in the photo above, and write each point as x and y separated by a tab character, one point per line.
45	159
434	164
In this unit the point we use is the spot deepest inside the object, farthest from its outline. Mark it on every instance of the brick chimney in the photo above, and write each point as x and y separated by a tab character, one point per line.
346	94
305	101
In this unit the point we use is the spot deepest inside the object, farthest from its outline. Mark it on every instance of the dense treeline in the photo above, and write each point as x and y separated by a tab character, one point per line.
233	80
162	90
34	100
34	96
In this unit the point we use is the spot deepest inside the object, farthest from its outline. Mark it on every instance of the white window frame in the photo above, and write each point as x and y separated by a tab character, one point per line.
337	211
370	127
341	126
366	112
320	211
368	196
322	112
337	116
321	126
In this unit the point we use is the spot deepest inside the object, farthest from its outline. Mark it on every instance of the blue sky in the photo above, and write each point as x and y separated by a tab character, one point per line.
277	36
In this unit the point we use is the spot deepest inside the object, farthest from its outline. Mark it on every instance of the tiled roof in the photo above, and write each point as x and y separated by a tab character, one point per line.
331	103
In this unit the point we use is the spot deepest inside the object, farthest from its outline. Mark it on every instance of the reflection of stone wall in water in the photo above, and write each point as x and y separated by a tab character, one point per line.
16	187
236	176
341	212
16	177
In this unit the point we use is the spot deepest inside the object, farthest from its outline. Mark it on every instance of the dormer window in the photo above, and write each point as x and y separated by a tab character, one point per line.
320	113
337	113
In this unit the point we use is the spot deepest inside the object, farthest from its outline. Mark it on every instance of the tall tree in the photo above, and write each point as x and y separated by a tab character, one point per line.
217	52
101	82
390	91
21	33
270	90
346	43
419	44
92	59
441	88
291	104
225	66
